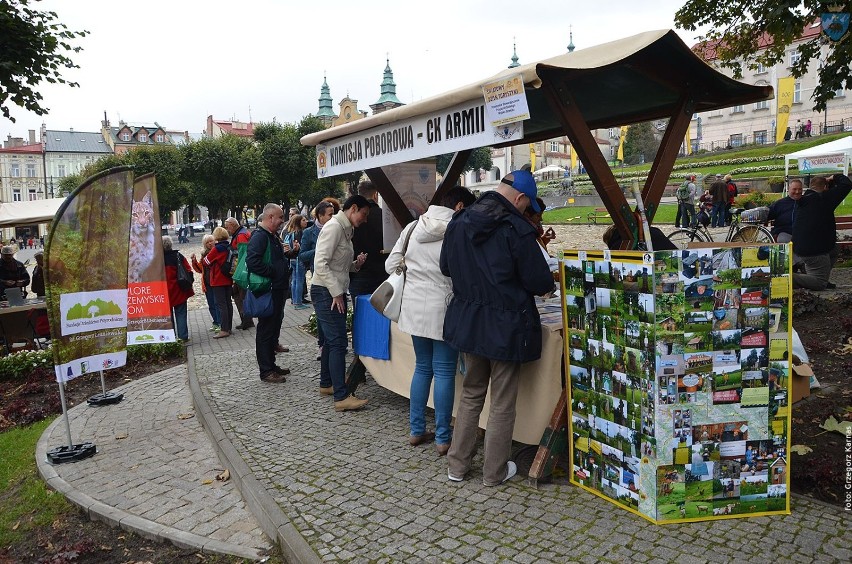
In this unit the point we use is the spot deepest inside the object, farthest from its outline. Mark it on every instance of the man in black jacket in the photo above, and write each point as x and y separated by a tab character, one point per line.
815	231
491	253
278	270
783	212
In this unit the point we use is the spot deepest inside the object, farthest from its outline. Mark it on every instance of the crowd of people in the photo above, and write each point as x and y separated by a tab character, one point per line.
473	267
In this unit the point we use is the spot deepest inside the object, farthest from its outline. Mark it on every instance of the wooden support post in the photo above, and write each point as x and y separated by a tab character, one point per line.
565	108
451	177
390	196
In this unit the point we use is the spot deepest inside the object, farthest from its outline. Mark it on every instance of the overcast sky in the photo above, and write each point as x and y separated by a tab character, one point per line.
176	62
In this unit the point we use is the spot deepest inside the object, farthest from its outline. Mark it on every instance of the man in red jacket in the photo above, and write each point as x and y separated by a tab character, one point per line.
239	234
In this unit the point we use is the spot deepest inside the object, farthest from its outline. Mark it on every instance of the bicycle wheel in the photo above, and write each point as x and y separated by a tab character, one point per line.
753	234
683	237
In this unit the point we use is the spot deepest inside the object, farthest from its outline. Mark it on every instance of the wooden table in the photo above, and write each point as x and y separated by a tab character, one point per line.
14	321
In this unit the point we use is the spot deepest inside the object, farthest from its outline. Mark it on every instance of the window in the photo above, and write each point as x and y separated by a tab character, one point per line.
125	136
31	172
760	137
32	194
554	146
736	140
613	133
143	138
716	113
797	93
16	170
795	56
762	105
60	171
612	150
760	69
16	195
159	138
737	110
840	93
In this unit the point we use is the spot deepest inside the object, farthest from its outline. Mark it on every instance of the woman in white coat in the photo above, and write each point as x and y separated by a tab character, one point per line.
424	304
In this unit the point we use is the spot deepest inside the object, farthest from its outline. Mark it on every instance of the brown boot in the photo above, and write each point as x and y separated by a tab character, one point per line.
327	391
351	403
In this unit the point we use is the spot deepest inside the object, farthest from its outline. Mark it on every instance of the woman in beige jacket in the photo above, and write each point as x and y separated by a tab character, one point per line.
424	304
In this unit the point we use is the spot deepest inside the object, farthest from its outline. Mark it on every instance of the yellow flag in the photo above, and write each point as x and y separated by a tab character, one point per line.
785	102
687	143
621	139
573	159
532	157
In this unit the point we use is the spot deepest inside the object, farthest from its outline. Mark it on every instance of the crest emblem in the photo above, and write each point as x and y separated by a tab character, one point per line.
835	22
322	161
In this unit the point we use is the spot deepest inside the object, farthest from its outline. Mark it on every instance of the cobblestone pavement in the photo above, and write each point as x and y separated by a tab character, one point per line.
339	487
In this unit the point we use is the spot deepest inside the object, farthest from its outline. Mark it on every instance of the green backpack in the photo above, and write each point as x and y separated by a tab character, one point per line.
683	192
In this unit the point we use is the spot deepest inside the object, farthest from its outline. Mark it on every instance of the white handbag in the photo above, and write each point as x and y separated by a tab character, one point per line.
387	299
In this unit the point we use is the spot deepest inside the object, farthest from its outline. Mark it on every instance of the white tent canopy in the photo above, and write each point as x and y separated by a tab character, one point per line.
549	168
843	145
27	213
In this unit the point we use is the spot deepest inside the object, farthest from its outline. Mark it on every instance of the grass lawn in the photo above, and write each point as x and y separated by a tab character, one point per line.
26	503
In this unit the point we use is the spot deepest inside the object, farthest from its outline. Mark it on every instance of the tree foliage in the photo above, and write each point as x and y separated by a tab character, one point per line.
480	159
32	47
640	143
752	33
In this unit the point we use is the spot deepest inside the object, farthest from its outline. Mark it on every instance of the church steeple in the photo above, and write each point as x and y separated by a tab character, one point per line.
515	62
570	40
388	98
326	111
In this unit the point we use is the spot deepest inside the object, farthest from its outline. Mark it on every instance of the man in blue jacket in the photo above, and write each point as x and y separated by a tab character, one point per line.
491	254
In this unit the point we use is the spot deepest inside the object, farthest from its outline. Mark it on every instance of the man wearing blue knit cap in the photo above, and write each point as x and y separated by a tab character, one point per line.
491	254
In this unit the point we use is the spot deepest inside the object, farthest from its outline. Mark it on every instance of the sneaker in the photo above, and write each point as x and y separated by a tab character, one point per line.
511	471
454	478
301	306
215	328
327	391
279	348
351	403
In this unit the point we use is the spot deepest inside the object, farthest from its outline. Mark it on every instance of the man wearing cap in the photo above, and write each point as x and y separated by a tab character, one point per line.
719	191
12	271
491	254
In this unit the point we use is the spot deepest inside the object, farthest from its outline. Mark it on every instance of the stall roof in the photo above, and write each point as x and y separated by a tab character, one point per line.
842	145
27	213
626	81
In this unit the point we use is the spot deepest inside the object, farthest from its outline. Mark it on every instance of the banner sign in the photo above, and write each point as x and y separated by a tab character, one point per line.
460	127
149	318
86	276
823	164
786	86
505	101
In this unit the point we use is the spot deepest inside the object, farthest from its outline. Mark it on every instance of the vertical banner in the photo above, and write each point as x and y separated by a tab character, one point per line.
573	160
785	102
86	276
621	139
149	317
687	143
532	157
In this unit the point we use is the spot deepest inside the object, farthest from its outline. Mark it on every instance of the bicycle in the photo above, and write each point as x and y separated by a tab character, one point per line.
748	233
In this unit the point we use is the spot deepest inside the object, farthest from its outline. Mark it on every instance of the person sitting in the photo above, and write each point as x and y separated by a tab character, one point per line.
783	212
12	272
815	231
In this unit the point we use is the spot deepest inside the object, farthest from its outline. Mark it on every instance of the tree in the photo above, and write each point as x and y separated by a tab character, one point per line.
640	143
752	33
32	44
480	159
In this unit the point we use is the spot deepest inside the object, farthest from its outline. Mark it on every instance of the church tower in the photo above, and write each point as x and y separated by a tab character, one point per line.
326	112
388	99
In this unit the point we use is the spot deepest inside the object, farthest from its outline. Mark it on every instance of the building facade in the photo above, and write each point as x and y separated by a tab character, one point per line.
756	123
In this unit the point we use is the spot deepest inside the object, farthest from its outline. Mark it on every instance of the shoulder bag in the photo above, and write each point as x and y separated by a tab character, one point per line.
248	280
387	299
184	276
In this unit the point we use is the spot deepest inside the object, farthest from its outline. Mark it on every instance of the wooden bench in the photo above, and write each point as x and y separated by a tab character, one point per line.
598	214
844	223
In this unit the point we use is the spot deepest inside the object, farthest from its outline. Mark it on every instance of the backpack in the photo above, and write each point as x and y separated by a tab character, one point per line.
683	192
230	265
732	193
185	278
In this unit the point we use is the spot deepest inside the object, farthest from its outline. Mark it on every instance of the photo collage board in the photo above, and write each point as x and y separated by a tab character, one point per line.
679	379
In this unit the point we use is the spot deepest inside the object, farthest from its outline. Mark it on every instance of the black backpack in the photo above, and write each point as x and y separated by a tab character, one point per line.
230	264
185	278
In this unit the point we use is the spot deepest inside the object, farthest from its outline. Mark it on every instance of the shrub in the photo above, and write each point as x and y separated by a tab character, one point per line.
154	352
21	363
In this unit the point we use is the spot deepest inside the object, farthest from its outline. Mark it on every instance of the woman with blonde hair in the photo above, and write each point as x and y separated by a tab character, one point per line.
293	237
220	282
207	242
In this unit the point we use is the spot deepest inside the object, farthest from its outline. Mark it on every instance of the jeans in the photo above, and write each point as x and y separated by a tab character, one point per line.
685	215
268	329
717	216
211	306
503	377
333	358
181	329
439	359
222	296
297	281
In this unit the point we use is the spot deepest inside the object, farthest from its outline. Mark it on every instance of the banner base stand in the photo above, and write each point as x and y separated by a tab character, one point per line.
107	398
73	453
